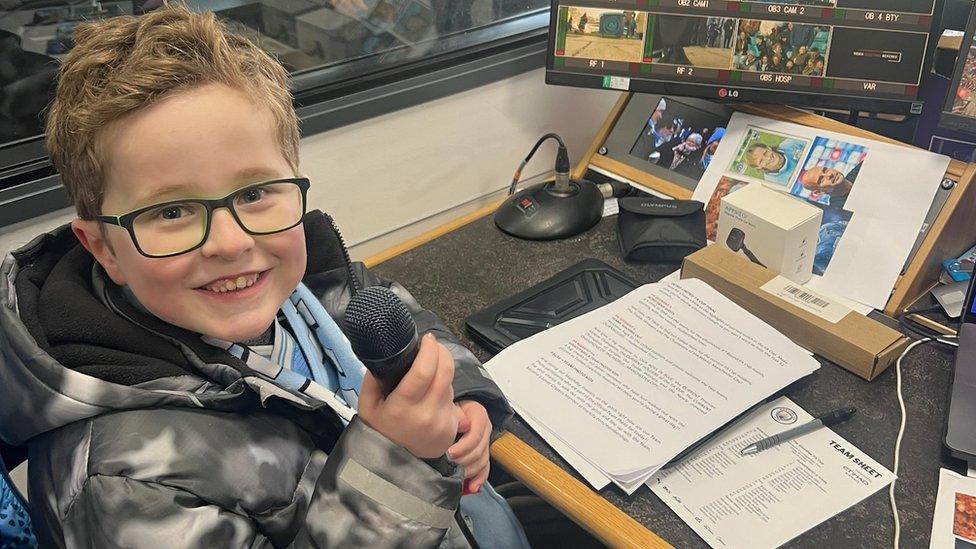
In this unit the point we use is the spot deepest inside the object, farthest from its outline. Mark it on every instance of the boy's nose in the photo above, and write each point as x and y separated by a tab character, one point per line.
226	239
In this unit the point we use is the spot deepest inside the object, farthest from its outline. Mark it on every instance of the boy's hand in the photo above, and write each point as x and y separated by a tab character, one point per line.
419	414
471	451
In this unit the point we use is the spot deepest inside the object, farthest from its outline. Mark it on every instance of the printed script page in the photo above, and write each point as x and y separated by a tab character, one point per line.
632	384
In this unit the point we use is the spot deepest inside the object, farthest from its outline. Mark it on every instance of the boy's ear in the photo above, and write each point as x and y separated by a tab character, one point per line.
91	236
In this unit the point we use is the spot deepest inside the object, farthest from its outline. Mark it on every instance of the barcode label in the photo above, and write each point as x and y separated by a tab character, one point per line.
806	299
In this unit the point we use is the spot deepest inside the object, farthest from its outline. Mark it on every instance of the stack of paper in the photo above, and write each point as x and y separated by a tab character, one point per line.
621	391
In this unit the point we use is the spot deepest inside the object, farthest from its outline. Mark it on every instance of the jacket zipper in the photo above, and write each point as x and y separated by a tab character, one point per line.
353	280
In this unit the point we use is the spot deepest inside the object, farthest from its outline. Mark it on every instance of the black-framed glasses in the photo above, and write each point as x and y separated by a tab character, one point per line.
180	226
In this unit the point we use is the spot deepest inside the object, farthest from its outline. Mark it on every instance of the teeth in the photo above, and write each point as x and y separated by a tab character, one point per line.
234	284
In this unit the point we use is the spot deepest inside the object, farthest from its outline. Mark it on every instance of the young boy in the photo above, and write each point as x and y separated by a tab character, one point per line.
174	360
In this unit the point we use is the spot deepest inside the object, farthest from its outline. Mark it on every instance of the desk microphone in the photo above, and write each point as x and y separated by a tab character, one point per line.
556	209
382	333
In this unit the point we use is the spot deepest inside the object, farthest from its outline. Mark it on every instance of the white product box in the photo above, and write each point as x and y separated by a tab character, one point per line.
773	229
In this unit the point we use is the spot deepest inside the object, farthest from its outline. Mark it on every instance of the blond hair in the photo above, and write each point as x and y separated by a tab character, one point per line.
125	63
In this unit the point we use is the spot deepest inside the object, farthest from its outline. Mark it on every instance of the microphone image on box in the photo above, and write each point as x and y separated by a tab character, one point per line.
737	241
382	333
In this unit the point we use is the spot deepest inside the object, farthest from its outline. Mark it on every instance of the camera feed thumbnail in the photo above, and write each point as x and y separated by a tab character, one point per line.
680	138
594	33
774	46
964	103
697	41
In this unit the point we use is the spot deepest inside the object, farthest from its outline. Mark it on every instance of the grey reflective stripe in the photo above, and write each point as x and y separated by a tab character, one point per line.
183	394
382	491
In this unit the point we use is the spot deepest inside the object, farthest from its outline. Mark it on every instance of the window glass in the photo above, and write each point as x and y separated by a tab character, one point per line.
339	39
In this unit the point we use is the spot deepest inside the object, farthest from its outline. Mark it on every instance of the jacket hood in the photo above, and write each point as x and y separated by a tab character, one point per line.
73	347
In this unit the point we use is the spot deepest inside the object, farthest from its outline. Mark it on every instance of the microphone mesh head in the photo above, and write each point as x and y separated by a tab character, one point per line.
378	323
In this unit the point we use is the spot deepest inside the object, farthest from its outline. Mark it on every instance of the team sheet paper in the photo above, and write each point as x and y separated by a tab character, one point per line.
769	498
630	385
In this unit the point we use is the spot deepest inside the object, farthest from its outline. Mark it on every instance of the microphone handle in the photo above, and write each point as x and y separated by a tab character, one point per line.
390	370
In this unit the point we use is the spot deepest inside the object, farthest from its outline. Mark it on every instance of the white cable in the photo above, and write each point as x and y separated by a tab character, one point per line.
901	428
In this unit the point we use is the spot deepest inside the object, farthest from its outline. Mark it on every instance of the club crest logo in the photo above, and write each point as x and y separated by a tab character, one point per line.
783	415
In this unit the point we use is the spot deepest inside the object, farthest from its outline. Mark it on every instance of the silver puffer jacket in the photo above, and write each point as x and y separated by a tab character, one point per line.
141	435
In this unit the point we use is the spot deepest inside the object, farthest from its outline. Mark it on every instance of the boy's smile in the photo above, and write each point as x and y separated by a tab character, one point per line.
200	143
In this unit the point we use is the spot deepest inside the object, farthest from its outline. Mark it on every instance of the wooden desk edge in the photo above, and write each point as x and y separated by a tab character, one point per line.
574	499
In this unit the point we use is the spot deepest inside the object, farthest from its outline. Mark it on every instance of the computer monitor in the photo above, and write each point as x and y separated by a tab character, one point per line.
851	54
960	107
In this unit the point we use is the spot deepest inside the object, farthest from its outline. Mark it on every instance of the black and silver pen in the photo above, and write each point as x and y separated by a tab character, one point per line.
826	420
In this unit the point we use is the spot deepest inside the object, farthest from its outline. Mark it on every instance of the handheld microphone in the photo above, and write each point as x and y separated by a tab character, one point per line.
384	337
382	333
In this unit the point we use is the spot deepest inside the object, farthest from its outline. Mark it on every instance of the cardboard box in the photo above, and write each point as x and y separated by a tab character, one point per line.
771	228
855	342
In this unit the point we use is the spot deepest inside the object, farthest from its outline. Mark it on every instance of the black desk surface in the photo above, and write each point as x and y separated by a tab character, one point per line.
477	265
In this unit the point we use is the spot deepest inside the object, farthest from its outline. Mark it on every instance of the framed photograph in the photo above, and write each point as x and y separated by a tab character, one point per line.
767	156
679	138
666	139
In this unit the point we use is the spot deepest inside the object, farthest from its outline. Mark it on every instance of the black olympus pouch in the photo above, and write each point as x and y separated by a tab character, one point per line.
658	230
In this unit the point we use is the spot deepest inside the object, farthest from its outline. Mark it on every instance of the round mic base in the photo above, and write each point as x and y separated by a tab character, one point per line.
540	213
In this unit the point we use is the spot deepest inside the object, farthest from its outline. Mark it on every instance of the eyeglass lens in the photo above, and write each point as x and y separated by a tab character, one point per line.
179	226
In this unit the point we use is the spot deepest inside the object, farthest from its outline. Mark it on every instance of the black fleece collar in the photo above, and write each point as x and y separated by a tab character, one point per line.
66	315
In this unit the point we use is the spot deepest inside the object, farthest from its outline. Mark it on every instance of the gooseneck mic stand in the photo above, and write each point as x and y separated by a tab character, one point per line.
551	210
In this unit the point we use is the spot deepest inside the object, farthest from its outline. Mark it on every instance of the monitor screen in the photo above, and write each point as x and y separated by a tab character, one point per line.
960	108
851	54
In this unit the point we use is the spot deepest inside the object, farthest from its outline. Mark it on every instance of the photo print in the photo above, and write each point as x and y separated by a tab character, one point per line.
769	156
775	46
611	35
828	174
964	521
825	180
964	102
696	41
725	187
680	138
